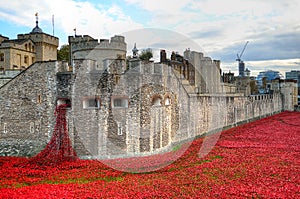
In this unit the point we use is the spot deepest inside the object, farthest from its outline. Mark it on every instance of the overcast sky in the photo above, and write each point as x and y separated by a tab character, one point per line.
218	28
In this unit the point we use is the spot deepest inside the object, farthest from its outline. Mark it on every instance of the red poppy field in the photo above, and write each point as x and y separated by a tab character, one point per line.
260	159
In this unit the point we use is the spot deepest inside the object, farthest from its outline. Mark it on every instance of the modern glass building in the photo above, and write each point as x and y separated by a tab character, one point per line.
264	78
269	75
295	75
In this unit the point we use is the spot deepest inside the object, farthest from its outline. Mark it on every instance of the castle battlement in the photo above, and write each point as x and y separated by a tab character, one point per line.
81	38
86	47
40	37
85	42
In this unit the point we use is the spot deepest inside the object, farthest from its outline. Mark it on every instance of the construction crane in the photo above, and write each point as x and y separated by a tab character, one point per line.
241	63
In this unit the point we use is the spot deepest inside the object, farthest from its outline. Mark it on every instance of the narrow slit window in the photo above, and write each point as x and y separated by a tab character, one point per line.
120	129
167	101
39	99
31	128
4	128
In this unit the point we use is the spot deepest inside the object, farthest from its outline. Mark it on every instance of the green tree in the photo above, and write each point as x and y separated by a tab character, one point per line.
63	53
146	55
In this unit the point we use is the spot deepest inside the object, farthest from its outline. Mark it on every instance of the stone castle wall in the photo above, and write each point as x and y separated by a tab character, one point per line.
27	105
118	112
134	126
7	75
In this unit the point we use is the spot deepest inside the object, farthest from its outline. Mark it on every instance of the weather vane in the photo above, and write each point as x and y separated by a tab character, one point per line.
36	18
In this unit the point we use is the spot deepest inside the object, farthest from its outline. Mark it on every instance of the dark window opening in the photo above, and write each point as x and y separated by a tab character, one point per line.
91	103
1	56
120	103
64	101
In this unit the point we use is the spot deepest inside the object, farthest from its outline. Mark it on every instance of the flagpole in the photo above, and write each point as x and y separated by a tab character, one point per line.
53	24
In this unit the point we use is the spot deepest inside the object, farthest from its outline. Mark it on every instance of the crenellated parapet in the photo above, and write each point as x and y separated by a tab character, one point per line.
86	47
41	38
82	42
86	42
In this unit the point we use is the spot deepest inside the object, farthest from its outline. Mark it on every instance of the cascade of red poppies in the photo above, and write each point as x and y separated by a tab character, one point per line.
59	148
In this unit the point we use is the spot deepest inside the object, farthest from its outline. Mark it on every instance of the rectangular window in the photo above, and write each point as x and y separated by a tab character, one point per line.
91	103
65	101
119	102
26	59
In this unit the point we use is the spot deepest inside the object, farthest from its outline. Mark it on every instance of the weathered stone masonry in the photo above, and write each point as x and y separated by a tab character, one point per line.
139	109
27	106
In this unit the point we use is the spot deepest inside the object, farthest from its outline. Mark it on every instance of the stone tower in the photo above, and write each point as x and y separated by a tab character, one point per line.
86	47
45	45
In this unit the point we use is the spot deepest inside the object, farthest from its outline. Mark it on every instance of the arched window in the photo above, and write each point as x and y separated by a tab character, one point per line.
26	47
119	102
167	101
156	101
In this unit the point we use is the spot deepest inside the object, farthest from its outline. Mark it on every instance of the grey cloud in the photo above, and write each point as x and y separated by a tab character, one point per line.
267	47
